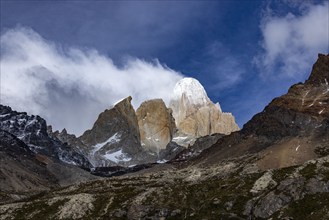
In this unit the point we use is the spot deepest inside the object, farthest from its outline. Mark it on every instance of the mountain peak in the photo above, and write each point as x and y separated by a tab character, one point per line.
195	114
320	71
192	90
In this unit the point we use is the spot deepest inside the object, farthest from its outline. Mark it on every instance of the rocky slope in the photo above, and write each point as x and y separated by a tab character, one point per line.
195	115
20	169
289	131
233	189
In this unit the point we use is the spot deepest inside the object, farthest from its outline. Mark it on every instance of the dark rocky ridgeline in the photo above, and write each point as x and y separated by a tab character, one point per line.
32	130
294	125
118	170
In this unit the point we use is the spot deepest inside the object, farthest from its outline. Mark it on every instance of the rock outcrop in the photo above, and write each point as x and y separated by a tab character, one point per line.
195	114
197	147
156	124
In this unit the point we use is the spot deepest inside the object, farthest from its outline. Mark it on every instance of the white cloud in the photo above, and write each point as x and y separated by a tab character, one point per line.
291	43
70	86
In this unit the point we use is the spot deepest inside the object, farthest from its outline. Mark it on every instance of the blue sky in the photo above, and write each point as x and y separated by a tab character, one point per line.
245	53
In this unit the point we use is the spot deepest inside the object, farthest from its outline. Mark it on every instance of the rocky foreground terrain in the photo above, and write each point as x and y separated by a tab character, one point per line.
275	167
234	189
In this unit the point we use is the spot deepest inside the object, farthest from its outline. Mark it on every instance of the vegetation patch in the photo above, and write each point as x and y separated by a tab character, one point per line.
325	164
39	209
282	173
309	208
206	199
309	171
322	151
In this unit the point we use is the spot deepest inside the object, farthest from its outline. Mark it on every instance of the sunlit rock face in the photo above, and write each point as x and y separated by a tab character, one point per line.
195	114
156	124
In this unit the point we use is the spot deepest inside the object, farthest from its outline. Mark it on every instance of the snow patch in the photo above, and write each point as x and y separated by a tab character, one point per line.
297	147
304	96
5	115
113	139
179	138
162	161
118	101
33	121
317	126
117	156
192	90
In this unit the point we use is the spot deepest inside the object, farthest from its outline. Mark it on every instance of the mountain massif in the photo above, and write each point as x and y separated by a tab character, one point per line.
154	132
185	161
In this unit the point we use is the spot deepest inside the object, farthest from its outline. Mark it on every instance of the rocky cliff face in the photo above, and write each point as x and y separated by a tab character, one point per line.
114	139
195	114
120	118
156	124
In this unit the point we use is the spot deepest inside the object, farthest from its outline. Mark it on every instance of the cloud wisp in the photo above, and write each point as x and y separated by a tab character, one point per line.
71	86
291	42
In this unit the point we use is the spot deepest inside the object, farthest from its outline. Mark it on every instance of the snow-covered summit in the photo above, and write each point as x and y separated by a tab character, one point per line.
195	114
192	90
